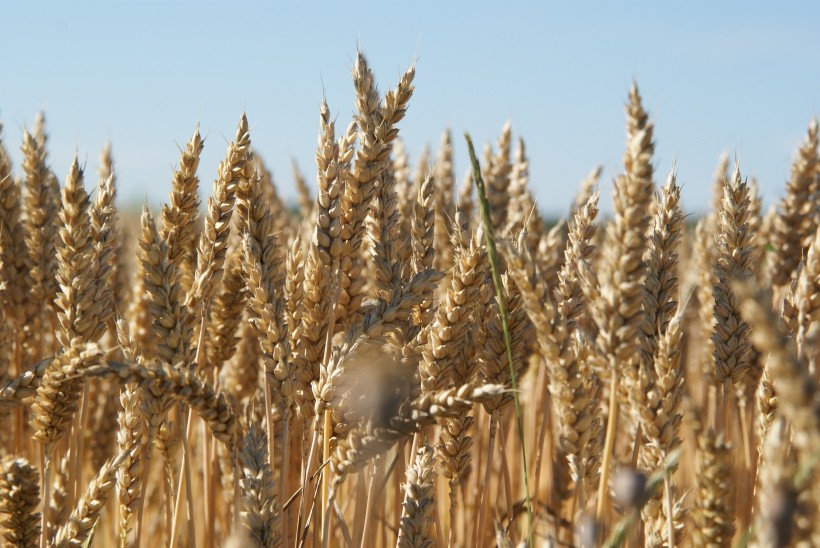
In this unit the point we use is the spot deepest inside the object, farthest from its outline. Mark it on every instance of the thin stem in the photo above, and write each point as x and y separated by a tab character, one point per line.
505	469
326	526
306	469
482	503
451	538
484	207
18	413
327	427
609	444
45	460
744	434
539	452
370	503
207	490
143	486
184	477
726	412
670	525
77	444
284	478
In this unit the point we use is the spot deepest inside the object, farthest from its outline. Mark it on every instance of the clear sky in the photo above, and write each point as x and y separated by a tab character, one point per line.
741	77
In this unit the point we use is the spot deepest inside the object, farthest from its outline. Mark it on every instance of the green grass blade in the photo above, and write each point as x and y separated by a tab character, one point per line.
492	253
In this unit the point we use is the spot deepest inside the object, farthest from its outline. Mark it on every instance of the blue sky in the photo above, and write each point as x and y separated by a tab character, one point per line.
716	76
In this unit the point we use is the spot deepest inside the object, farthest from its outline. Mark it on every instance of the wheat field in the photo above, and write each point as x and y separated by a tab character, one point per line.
404	359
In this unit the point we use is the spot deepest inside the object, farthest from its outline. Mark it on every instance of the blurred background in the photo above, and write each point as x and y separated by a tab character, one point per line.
741	78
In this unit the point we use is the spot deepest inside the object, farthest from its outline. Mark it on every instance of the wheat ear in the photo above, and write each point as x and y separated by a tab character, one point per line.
86	512
19	498
796	220
419	501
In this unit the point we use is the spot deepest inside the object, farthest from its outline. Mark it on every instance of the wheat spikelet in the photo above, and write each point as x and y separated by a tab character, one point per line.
661	282
262	270
59	391
324	258
523	214
138	314
400	167
171	317
214	240
466	204
464	296
240	375
419	502
86	512
712	515
498	170
731	333
572	383
40	218
359	186
304	194
129	474
13	251
588	187
264	277
617	306
226	315
660	425
720	177
5	159
377	131
796	220
494	366
385	243
766	405
283	220
16	390
314	327
180	216
41	205
569	295
19	498
294	293
422	232
445	201
796	389
326	235
806	301
104	235
79	309
657	394
704	256
101	427
260	513
451	320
